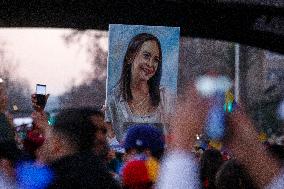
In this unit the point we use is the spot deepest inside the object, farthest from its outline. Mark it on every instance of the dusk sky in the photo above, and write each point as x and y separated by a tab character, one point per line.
42	56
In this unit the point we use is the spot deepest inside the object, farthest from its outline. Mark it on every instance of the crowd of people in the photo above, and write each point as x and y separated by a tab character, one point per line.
78	152
82	149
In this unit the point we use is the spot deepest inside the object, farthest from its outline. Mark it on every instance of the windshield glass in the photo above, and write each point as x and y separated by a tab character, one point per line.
73	66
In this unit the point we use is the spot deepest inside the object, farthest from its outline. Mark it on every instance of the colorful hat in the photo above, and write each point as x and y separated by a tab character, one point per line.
143	136
135	173
153	168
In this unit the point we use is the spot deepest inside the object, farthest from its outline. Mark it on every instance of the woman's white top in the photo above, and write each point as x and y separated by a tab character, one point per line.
120	115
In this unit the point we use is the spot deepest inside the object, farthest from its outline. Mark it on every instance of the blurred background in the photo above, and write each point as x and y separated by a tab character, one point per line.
72	63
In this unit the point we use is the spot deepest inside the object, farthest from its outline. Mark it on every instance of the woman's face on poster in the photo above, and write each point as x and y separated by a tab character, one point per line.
146	61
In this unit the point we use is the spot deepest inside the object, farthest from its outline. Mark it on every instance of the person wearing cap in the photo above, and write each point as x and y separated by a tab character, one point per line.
145	137
144	145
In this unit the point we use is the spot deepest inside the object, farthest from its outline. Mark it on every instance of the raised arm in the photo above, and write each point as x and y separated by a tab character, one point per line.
243	142
180	167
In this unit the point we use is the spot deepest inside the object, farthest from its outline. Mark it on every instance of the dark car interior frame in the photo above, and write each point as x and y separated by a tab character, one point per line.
256	23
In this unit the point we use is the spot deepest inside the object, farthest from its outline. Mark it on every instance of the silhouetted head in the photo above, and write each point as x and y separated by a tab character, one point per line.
210	162
233	175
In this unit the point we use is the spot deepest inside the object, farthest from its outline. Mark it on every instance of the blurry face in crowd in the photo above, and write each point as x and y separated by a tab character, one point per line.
54	147
146	61
3	99
132	153
101	132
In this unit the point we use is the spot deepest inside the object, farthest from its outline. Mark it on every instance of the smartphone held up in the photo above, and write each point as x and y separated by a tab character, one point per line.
41	95
217	90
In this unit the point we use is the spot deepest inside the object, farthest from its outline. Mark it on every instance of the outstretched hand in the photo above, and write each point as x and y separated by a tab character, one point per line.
244	143
241	138
189	119
40	119
35	104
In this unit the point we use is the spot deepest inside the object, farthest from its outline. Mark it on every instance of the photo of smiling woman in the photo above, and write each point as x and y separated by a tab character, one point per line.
138	97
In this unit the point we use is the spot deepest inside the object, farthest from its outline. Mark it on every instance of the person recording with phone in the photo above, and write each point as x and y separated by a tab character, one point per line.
35	137
39	99
73	146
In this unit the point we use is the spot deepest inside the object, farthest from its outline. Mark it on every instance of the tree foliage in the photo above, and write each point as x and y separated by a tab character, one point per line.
92	90
17	88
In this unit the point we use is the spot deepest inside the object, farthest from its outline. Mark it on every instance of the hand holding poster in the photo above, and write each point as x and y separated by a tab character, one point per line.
142	75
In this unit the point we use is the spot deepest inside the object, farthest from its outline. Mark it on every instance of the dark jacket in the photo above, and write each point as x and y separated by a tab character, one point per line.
6	132
82	170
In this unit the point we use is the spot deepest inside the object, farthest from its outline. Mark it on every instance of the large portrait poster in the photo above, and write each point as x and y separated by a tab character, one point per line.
142	75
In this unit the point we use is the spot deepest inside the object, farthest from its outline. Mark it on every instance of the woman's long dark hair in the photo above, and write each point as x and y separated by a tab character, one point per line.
154	83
